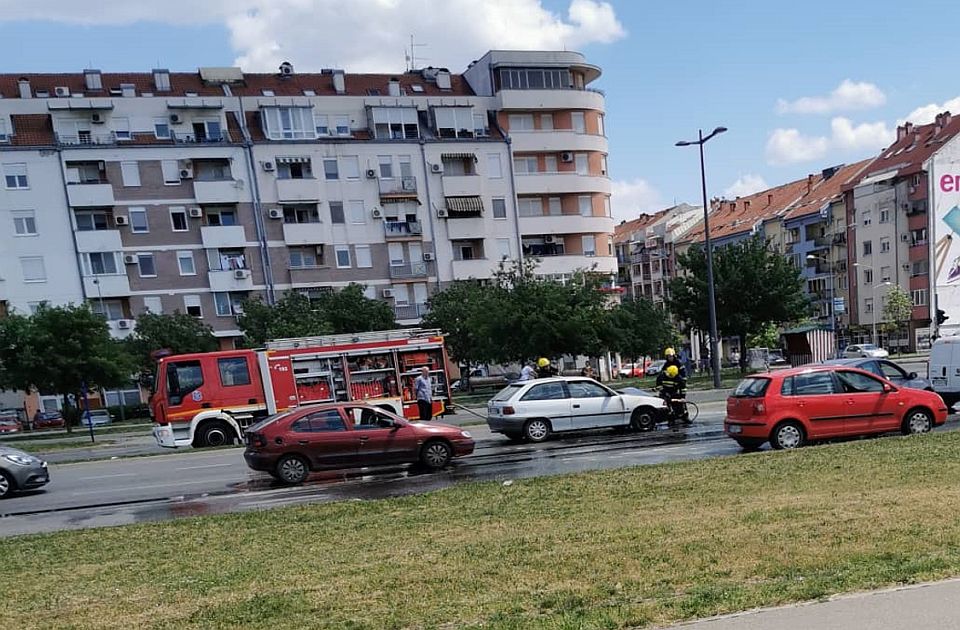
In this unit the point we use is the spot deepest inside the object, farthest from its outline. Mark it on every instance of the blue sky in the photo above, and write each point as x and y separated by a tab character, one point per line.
669	67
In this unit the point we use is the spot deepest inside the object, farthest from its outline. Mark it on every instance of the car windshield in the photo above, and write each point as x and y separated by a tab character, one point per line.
507	392
751	388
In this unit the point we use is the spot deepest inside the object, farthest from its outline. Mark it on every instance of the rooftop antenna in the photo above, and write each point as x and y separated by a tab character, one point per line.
411	55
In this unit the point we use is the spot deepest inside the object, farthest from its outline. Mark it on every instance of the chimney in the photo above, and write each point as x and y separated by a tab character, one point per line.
907	128
901	133
809	183
92	80
339	82
946	118
393	87
24	85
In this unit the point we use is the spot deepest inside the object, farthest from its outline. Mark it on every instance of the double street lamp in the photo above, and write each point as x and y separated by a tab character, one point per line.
711	298
873	296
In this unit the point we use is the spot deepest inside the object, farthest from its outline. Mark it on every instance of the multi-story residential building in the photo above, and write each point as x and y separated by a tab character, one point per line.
193	191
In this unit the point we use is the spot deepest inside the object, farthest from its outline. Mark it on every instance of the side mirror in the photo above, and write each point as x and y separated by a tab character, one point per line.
887	388
912	375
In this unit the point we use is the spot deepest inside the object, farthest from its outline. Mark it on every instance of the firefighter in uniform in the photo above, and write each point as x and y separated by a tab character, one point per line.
673	387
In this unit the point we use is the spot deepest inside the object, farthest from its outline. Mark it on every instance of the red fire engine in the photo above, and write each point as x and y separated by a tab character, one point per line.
208	399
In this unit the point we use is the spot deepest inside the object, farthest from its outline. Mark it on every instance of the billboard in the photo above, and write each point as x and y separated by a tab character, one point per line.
944	171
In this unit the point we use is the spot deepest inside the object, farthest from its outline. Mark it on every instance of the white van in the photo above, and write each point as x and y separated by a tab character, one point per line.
945	369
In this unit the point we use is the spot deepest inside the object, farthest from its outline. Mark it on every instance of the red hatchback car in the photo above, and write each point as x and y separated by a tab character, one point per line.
291	444
789	408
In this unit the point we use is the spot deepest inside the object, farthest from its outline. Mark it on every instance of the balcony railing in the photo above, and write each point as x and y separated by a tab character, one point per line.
87	138
409	270
190	138
398	186
410	311
402	229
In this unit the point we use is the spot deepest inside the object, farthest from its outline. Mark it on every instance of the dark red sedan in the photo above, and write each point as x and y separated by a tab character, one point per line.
292	444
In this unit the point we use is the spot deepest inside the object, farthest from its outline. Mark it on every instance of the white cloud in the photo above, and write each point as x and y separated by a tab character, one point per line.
360	35
926	114
788	146
849	95
745	185
631	198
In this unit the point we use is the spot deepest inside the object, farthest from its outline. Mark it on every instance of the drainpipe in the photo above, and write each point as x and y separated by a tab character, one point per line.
66	197
426	190
257	206
513	196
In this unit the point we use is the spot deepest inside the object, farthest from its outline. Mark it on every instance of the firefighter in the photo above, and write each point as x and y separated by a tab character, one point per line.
671	357
545	369
673	389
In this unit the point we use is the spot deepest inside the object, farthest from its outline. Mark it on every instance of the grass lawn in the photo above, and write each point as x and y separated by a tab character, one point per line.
47	446
632	547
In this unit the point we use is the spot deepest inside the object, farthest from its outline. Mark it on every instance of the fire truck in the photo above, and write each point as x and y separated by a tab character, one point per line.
208	399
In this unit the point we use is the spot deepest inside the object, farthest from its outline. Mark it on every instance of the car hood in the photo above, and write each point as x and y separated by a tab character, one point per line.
6	450
437	428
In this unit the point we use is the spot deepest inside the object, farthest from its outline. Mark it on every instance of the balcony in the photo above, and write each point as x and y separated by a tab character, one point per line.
475	268
466	228
307	189
87	138
217	236
461	185
306	233
217	191
557	140
410	270
559	183
410	312
398	189
115	285
231	280
90	195
402	230
550	99
569	263
98	241
566	224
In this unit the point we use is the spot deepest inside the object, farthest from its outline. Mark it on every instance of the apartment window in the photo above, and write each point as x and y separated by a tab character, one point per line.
600	125
918	237
186	264
322	124
99	263
306	213
401	295
288	123
554	206
161	128
867	248
395	123
919	297
178	219
884	274
503	249
191	303
920	268
222	303
130	173
111	310
884	216
582	163
550	164
499	208
603	164
525	164
530	207
386	166
294	168
138	220
350	166
303	257
395	254
534	79
226	259
330	170
585	204
171	172
868	305
362	254
33	269
579	122
153	304
494	167
342	253
24	223
343	125
866	217
15	176
884	245
868	276
520	122
148	268
546	122
121	128
4	137
336	212
357	213
607	208
589	245
93	220
406	166
454	122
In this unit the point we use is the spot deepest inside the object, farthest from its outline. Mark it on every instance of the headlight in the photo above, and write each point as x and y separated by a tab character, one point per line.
466	434
22	460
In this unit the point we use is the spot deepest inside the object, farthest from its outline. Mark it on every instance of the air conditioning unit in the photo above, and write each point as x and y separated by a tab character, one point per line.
377	213
371	173
269	167
442	213
61	90
120	220
566	156
387	293
904	237
436	168
97	118
241	274
429	257
175	119
549	239
130	259
906	266
276	213
196	212
123	323
186	173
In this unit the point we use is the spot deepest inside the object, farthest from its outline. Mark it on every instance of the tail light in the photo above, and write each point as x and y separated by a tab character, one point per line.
508	411
257	440
759	408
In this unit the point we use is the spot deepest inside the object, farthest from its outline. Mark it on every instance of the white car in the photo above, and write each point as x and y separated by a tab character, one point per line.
865	351
532	410
98	417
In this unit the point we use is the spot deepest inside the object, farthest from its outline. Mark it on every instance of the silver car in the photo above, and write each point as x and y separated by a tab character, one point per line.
532	410
21	471
865	351
98	418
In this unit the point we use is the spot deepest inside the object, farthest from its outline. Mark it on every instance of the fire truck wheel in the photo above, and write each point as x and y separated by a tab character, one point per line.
215	433
292	469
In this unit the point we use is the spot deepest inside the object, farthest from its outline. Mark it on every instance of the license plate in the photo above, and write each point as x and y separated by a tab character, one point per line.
734	428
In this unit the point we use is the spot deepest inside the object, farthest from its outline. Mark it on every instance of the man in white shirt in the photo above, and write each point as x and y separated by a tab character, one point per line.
423	389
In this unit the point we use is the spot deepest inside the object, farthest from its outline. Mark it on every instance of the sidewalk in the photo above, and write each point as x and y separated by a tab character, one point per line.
932	606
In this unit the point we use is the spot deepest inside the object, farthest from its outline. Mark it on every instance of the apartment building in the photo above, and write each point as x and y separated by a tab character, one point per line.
190	192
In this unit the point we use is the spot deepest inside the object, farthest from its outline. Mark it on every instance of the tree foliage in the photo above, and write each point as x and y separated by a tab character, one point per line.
638	328
180	333
898	309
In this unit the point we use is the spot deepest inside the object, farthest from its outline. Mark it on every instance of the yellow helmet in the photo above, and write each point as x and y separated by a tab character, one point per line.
669	352
543	362
672	371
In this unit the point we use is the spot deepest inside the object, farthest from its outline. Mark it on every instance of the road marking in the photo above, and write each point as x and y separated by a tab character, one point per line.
207	466
172	484
107	476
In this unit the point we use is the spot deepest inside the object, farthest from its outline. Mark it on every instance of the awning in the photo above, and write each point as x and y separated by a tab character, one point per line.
464	205
293	160
873	179
458	156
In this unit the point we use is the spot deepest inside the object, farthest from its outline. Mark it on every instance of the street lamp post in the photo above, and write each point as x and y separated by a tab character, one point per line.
711	298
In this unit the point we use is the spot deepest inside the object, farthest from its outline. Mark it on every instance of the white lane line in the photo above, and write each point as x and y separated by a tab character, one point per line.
207	466
108	476
173	485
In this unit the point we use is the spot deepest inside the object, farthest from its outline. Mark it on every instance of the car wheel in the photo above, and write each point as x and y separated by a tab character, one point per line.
536	430
292	469
750	445
435	454
917	421
215	433
643	419
787	435
7	485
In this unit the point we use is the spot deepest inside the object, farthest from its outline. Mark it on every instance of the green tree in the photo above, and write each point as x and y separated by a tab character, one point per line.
767	337
59	349
638	328
293	315
897	311
349	310
755	287
464	312
179	333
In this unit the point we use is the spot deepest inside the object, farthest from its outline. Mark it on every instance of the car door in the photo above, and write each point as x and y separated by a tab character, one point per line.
547	400
869	406
892	372
592	405
381	438
814	402
324	438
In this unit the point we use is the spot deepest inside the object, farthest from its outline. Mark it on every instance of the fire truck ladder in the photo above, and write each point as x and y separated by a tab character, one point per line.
364	337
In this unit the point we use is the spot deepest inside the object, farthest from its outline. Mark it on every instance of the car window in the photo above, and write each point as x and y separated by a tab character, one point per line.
751	388
320	422
869	366
233	371
366	418
869	346
855	382
891	371
586	389
810	384
546	391
507	392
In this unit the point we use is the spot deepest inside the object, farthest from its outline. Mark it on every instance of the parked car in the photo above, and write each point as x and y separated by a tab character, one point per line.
532	410
630	370
48	420
20	471
886	369
794	406
865	350
656	367
98	418
291	444
944	369
9	424
775	358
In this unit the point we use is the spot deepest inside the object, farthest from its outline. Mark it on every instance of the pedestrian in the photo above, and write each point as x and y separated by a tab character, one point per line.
528	373
423	389
587	371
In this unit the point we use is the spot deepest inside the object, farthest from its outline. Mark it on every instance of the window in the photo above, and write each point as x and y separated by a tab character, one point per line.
603	164
320	422
343	125
4	137
534	79
586	389
288	123
322	124
867	248
854	382
99	263
550	164
330	168
111	310
24	223
520	122
920	268
546	391
351	167
153	304
454	122
191	303
884	274
810	384
607	208
15	176
579	122
503	249
358	215
342	253
494	167
868	305
585	204
406	166
554	206
395	123
221	216
182	378
867	217
600	125
226	259
121	128
546	122
918	237
919	297
589	245
884	245
304	257
178	219
161	128
234	371
171	172
884	216
294	168
306	213
336	212
499	208
401	294
362	253
395	254
525	164
130	173
583	164
868	276
138	220
386	166
530	206
33	269
146	264
186	264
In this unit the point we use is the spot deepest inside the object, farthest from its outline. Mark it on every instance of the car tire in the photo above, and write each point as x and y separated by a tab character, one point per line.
643	419
750	445
916	422
7	485
435	454
292	469
214	433
536	430
787	435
